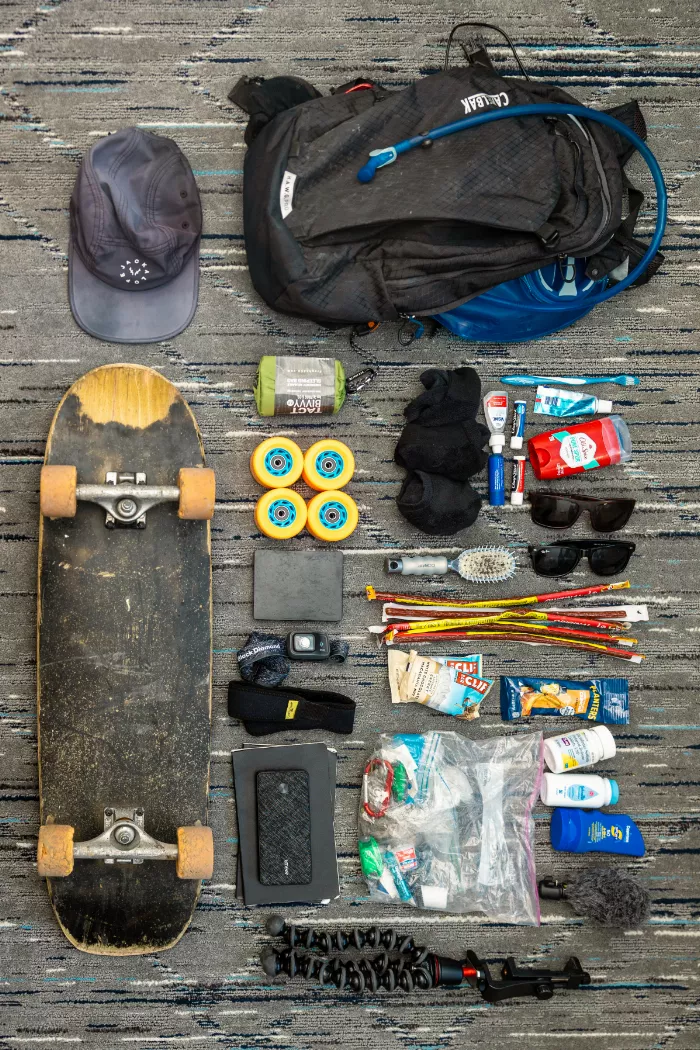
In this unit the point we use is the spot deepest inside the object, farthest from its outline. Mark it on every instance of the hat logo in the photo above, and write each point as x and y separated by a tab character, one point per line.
134	270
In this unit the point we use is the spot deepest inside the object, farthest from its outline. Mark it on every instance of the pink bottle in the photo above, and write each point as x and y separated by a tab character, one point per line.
571	450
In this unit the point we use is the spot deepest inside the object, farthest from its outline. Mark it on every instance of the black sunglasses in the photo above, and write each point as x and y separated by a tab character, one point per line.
605	557
557	511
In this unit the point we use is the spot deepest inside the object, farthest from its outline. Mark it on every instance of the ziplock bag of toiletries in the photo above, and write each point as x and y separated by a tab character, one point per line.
596	700
453	685
348	222
450	824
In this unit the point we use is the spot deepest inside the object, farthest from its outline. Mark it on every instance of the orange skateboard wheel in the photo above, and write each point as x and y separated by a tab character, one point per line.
328	465
195	852
54	857
280	514
332	516
277	463
197	493
57	492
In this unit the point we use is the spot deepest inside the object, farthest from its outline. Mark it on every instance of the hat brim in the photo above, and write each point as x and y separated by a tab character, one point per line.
120	316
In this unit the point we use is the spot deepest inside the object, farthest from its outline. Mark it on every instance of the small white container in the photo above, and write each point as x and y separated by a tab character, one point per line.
579	790
583	747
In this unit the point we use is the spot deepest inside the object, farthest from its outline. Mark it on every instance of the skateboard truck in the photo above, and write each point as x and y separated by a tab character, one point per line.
126	497
124	840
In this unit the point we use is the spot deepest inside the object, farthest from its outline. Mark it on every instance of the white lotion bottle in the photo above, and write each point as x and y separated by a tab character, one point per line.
583	747
579	790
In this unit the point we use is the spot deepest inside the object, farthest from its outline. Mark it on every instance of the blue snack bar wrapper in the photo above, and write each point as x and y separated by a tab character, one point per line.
597	700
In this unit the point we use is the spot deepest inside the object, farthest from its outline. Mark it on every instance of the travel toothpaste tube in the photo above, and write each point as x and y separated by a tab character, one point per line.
401	885
552	402
518	429
575	449
517	485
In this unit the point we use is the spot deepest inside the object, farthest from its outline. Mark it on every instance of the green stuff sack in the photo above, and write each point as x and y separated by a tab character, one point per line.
298	386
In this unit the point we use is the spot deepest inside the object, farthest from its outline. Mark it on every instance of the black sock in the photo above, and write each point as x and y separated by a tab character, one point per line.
450	395
438	505
455	450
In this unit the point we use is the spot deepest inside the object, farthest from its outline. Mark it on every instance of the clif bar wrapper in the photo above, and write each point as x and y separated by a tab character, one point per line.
598	700
451	684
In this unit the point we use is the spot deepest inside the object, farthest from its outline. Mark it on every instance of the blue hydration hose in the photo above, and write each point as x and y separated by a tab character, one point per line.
381	157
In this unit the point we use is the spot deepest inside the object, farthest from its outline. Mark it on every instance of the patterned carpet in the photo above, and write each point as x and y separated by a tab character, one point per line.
76	69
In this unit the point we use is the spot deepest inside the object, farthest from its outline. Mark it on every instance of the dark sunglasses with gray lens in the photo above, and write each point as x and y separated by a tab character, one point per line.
555	510
605	557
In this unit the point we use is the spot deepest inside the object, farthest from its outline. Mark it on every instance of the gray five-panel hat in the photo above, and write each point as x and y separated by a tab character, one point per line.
136	223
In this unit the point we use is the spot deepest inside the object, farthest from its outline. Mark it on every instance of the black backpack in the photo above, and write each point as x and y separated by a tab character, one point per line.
443	224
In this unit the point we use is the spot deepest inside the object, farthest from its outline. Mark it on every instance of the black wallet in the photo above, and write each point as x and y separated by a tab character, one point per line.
284	827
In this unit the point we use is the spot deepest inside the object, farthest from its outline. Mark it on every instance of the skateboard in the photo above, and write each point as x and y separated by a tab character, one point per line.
124	662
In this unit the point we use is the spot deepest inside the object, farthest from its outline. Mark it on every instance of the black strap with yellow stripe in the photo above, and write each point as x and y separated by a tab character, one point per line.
263	710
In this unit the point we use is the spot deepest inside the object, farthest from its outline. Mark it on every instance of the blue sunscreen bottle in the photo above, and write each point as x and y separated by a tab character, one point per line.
590	831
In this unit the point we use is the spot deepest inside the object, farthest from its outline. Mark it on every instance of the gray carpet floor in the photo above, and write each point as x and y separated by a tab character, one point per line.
76	69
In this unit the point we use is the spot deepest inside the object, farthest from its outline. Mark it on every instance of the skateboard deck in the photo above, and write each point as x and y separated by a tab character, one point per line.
124	661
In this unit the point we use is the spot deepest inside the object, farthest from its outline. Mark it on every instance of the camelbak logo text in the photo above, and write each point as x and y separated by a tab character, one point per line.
481	101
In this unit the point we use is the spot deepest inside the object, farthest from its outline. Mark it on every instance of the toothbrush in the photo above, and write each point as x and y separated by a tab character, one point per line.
570	380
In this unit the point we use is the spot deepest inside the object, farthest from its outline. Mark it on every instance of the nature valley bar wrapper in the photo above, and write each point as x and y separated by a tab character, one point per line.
451	684
597	700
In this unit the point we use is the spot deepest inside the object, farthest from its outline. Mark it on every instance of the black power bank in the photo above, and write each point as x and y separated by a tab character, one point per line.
284	827
319	765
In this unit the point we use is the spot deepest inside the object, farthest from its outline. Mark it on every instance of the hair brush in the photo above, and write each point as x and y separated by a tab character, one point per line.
477	565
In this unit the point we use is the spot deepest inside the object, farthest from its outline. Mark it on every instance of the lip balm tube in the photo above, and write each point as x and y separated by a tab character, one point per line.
517	485
518	429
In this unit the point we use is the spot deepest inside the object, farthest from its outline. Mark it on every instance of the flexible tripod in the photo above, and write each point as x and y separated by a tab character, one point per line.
402	964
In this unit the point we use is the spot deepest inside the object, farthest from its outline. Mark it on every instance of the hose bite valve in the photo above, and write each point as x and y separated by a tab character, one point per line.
402	964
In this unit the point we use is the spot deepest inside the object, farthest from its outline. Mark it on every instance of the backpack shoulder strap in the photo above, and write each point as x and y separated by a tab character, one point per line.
630	114
624	246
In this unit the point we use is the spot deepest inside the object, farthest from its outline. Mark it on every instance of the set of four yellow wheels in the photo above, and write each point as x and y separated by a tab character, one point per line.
327	466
